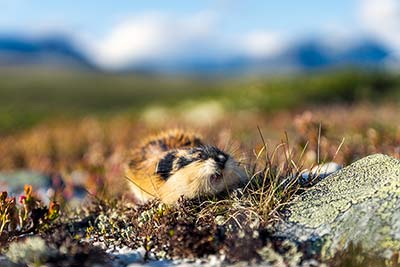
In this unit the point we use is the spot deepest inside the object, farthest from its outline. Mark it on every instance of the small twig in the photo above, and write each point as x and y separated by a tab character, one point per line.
395	259
319	142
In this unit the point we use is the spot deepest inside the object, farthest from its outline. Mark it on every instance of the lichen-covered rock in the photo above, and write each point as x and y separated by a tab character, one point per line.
33	251
359	204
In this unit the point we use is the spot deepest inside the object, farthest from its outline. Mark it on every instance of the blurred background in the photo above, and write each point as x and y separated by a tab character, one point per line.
100	57
80	83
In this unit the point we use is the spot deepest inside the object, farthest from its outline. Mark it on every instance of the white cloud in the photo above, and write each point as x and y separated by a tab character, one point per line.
261	44
163	38
136	39
382	18
156	37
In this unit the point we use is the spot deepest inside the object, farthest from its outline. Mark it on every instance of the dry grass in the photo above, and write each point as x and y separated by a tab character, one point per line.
274	148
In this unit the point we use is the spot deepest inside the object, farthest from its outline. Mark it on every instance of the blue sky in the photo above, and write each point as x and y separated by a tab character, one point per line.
116	33
98	16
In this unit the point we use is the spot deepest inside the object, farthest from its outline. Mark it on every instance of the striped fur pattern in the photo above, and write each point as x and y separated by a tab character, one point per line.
177	163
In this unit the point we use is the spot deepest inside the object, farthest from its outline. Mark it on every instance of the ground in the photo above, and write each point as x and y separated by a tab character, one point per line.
81	159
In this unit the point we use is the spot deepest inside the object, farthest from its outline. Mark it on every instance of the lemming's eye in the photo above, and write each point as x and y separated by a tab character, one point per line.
203	155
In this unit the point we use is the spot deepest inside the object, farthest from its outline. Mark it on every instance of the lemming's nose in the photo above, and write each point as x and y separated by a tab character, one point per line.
221	160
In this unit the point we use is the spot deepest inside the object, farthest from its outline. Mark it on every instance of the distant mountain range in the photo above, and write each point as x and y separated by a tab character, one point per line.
312	54
305	55
50	51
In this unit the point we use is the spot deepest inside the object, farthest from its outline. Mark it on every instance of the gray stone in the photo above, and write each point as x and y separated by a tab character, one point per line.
43	185
14	182
359	204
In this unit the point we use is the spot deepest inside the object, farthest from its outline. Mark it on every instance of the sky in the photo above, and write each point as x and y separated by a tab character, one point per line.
99	16
115	33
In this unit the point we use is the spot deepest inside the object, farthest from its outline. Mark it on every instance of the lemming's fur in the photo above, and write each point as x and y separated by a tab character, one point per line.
177	163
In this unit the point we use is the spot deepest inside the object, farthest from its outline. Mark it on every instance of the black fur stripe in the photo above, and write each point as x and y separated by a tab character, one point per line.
182	162
165	165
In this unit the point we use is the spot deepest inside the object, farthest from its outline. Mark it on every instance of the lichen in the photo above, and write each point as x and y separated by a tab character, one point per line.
32	251
357	204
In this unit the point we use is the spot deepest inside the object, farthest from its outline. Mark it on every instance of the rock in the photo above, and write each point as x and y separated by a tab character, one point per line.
44	186
4	262
126	256
14	182
32	251
358	204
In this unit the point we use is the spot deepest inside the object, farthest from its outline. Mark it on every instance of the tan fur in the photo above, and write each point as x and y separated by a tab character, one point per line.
190	181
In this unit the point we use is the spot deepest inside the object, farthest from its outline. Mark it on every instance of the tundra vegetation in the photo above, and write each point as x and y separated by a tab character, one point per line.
72	126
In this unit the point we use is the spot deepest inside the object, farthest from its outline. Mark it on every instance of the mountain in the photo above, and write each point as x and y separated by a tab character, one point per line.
50	51
365	53
316	54
304	55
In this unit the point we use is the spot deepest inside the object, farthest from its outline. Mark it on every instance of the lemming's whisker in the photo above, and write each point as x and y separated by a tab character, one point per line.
233	150
207	184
